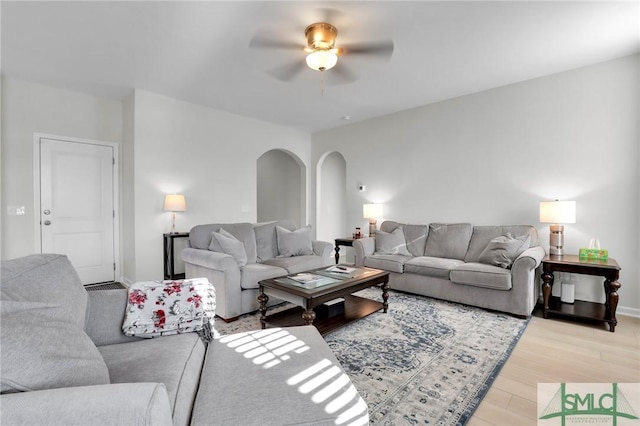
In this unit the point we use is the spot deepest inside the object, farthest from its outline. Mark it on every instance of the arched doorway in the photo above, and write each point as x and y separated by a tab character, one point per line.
331	190
281	187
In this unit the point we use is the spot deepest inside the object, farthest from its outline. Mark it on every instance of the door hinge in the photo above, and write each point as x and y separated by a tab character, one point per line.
114	266
113	160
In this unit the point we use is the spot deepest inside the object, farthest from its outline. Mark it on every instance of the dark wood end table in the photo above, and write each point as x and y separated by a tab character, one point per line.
609	269
169	262
307	299
347	242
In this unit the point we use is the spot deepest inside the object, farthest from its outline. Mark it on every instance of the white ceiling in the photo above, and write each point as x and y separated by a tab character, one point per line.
199	51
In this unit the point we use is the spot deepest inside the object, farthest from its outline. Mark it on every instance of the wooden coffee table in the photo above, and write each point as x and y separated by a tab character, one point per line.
329	287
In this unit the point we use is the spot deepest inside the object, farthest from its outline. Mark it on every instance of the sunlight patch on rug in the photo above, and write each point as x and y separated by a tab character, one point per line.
426	361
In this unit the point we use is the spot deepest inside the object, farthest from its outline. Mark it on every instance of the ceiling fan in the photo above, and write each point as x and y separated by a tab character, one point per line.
322	52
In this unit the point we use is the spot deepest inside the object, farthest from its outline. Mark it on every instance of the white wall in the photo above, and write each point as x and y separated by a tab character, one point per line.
331	212
29	108
491	157
279	183
209	156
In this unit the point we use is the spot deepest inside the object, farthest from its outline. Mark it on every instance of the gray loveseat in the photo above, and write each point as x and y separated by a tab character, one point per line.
65	361
491	267
267	252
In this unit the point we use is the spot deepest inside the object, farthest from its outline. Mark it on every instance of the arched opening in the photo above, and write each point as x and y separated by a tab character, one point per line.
281	187
331	190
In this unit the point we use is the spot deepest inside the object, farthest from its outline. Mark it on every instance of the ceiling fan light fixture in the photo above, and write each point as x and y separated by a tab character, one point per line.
322	60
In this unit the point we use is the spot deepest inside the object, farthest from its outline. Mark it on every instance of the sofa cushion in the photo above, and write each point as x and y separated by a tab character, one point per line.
388	262
482	235
305	380
481	275
42	348
431	266
174	360
450	241
254	272
294	243
45	278
503	250
224	242
200	236
391	243
266	240
297	264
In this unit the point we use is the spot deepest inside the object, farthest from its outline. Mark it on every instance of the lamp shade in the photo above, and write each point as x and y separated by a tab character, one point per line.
175	203
371	211
557	211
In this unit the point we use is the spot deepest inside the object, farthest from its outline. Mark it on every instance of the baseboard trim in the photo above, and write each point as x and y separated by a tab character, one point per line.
629	312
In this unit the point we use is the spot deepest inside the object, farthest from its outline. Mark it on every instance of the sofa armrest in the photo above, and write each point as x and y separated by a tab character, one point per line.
223	273
115	404
523	272
105	315
530	259
363	247
322	248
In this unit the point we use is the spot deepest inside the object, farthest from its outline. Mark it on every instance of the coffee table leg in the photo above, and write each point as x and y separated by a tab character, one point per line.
385	296
263	299
308	316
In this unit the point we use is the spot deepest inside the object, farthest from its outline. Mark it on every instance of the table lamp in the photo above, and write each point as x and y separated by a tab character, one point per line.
372	212
557	213
174	203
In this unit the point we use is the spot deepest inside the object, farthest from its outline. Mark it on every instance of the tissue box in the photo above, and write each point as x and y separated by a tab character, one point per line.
330	309
593	254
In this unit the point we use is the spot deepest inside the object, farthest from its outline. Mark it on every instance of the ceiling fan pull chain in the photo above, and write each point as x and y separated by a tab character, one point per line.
321	84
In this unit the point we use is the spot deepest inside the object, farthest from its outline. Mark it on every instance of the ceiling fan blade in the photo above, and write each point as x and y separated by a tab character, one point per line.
340	74
289	71
382	48
260	42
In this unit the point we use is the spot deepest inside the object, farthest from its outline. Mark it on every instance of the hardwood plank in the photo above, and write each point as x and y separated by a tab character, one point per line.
555	351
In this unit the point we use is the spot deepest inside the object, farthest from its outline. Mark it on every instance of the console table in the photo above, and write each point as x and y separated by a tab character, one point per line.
609	269
169	264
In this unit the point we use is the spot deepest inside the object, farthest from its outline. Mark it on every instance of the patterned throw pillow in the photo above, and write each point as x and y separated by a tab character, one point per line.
160	308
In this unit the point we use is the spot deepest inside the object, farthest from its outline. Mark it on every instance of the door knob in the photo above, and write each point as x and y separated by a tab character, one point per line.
47	212
47	222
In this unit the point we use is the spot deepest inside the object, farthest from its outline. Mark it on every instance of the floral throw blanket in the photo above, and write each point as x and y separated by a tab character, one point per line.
160	308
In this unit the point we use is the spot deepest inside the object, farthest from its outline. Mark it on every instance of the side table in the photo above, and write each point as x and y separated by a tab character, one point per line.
347	242
609	269
169	264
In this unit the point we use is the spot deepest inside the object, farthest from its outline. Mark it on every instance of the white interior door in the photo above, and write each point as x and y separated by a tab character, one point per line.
77	215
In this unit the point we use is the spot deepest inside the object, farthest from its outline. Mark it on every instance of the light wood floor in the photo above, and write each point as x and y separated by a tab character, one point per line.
555	350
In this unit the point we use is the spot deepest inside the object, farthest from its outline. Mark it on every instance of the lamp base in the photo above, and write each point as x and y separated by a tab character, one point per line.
556	240
372	228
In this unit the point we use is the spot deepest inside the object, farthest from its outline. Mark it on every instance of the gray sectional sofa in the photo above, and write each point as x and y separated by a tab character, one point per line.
265	250
65	361
491	267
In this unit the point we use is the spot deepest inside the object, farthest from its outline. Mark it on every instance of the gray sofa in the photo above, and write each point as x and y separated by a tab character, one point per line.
263	255
491	267
65	361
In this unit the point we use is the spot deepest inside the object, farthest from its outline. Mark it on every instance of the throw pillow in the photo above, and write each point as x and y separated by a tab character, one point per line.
503	250
225	242
160	308
42	348
294	243
391	243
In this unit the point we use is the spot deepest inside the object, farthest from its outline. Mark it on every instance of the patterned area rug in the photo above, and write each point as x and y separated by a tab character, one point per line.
427	361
